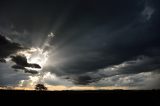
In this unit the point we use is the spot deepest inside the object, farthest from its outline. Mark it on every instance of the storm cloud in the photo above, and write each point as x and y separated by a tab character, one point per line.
98	42
21	60
21	63
8	47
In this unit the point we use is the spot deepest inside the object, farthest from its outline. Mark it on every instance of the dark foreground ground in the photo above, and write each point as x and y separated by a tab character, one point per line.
152	96
105	93
151	93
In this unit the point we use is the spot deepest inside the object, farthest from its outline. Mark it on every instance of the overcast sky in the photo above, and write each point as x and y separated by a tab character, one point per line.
97	43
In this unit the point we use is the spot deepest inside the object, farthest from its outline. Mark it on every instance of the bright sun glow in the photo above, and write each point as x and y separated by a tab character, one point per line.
36	56
39	57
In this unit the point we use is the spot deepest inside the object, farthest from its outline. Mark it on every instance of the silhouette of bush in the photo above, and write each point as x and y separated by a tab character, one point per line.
40	87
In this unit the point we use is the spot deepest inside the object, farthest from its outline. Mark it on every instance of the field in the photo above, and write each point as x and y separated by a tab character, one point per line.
94	93
81	97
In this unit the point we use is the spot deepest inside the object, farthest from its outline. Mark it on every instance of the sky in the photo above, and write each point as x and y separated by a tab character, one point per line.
79	44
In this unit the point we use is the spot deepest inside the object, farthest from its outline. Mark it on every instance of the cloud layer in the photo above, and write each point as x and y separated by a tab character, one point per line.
98	43
8	47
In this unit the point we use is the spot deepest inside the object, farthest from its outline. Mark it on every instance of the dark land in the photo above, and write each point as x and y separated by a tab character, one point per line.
88	93
128	97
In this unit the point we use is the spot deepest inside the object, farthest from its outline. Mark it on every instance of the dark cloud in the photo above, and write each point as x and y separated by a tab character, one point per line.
113	44
18	67
83	80
109	36
134	81
21	60
31	71
3	60
140	65
7	47
91	37
21	63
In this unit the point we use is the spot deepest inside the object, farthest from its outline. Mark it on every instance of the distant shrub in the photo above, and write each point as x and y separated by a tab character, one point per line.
40	87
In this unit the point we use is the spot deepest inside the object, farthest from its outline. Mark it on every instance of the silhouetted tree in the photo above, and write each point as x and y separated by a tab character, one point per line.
40	87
